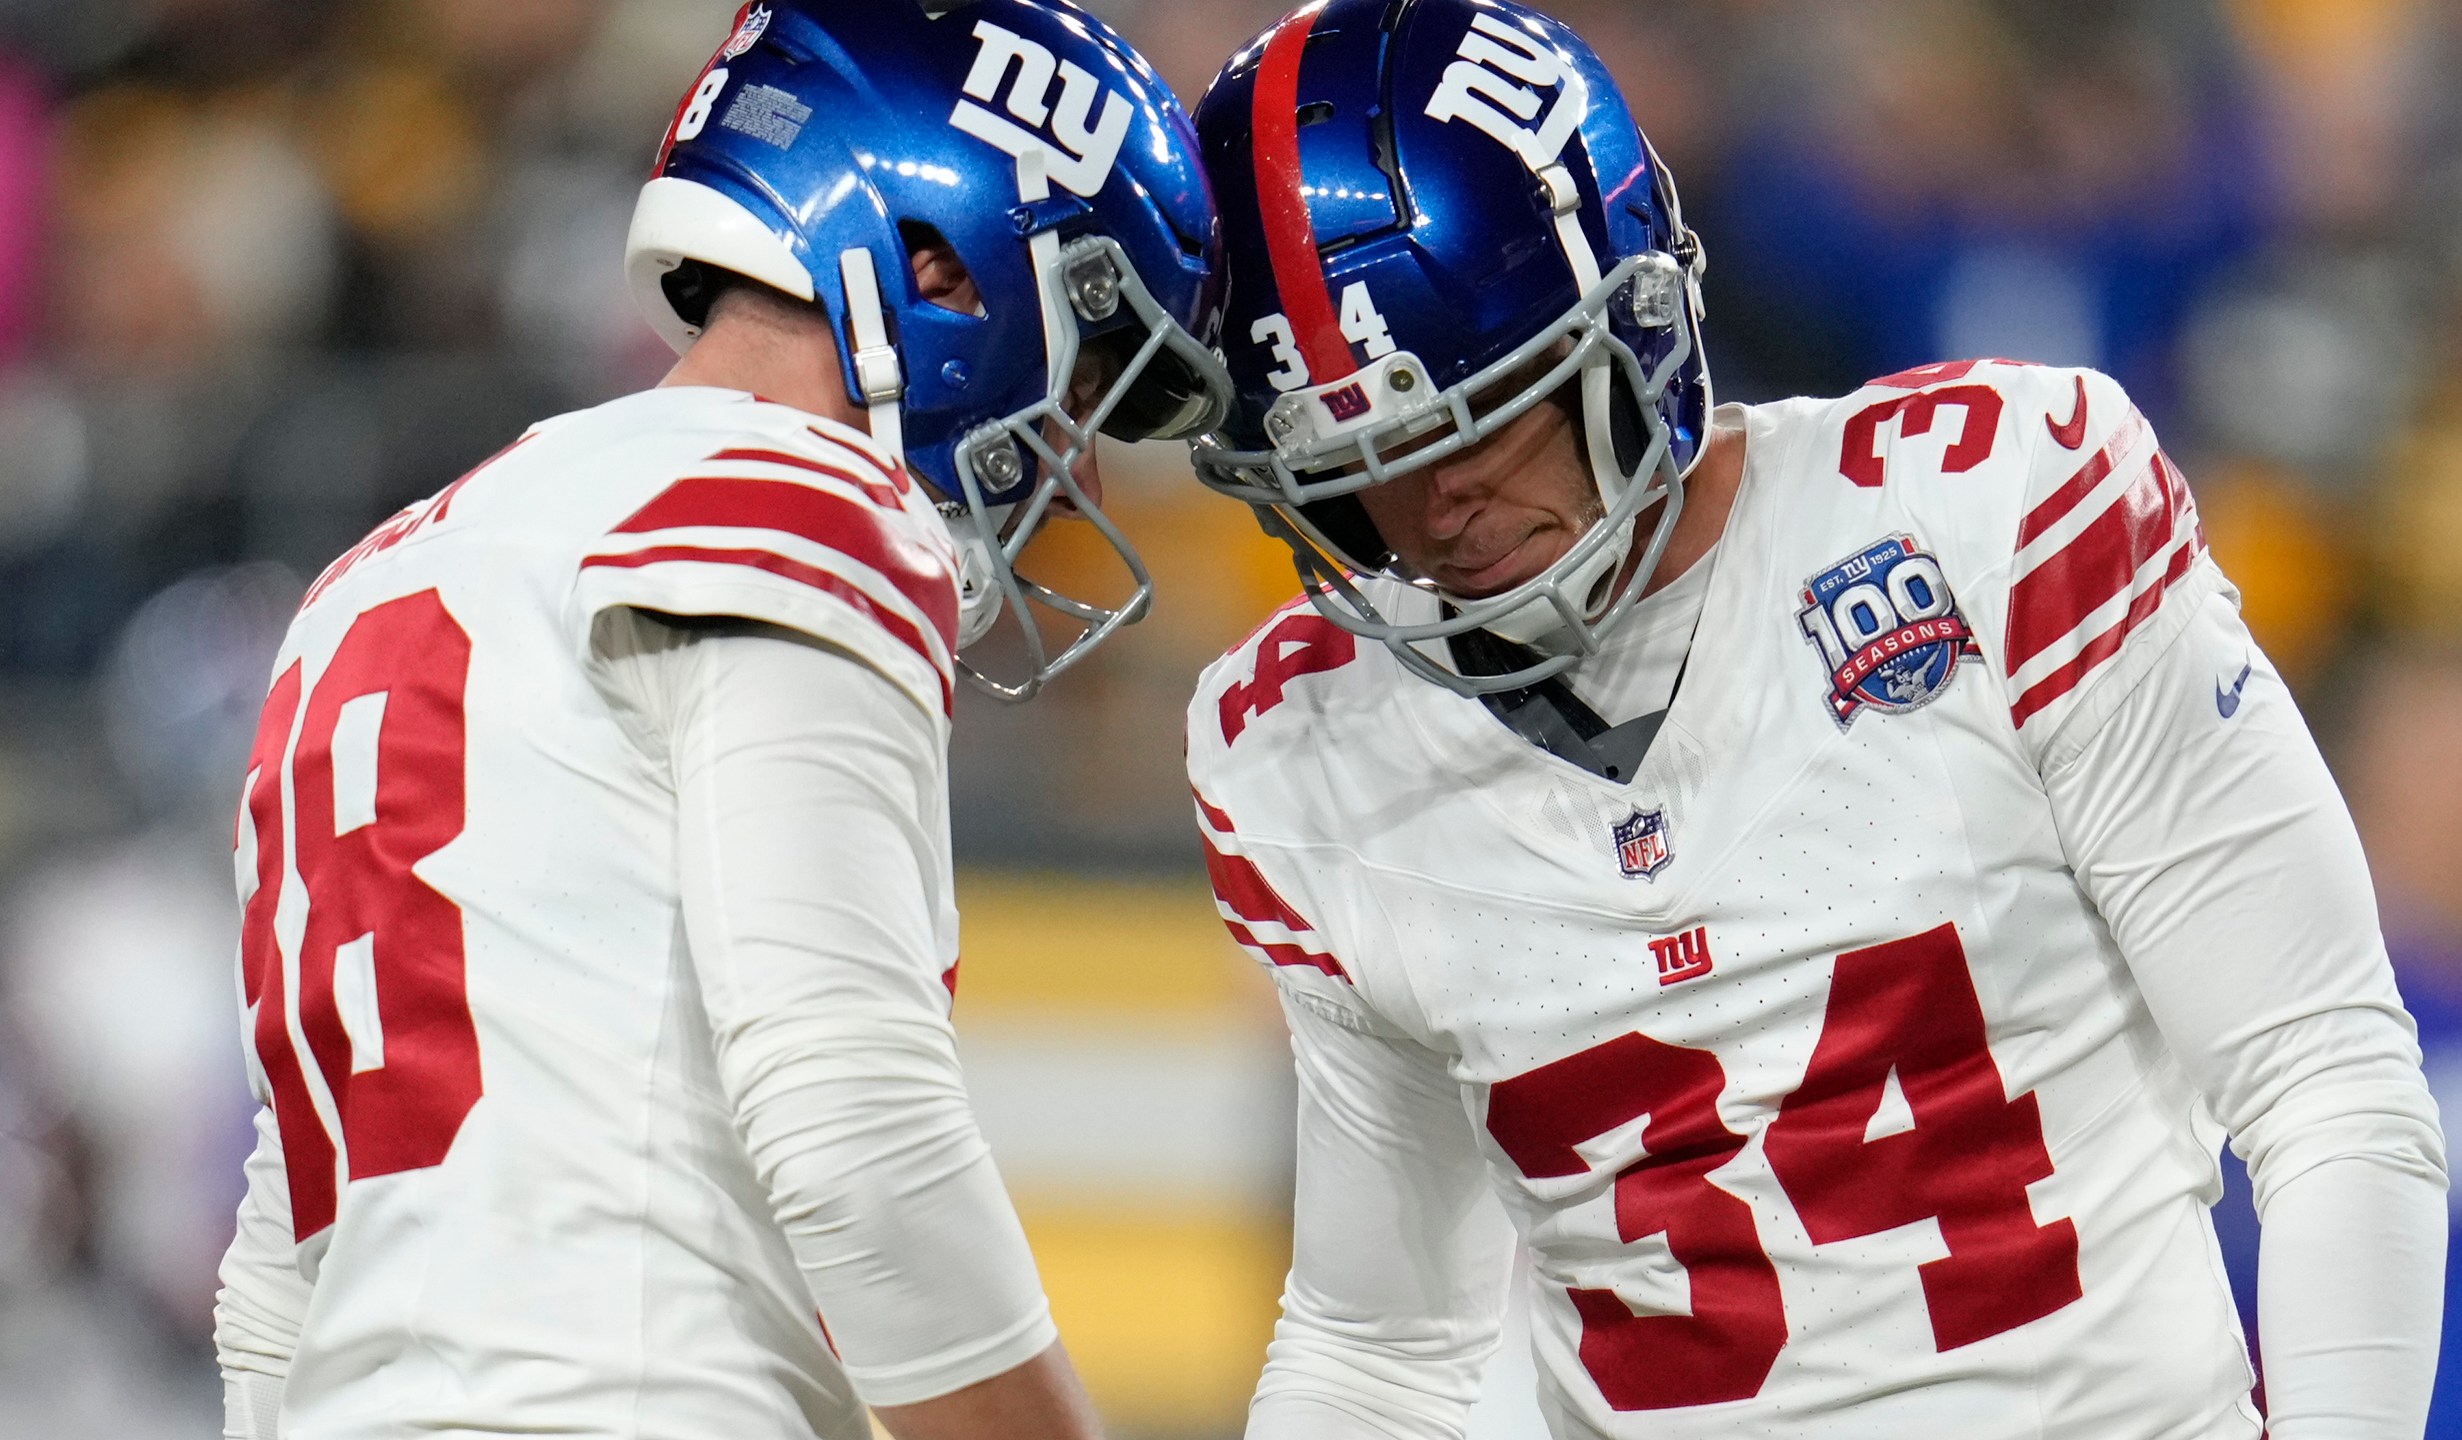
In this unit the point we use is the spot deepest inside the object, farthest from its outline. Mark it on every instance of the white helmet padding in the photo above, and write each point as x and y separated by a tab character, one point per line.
678	220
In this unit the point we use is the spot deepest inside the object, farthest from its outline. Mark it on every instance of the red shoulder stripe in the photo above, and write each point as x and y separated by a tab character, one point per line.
1213	816
815	515
2052	599
899	627
885	495
1239	884
2077	487
870	449
2065	679
1282	195
1294	956
1245	892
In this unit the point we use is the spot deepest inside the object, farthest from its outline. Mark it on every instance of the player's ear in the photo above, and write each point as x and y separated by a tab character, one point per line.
940	273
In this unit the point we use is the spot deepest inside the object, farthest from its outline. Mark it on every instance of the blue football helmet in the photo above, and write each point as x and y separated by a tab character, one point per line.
1437	214
828	139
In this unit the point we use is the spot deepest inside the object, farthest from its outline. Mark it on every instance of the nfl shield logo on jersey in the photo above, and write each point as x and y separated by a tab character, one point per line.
1888	630
1641	843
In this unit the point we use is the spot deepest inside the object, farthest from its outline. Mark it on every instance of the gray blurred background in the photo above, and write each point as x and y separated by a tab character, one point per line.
270	269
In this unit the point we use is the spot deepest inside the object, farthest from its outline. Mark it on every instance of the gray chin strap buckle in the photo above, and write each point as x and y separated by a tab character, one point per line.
995	460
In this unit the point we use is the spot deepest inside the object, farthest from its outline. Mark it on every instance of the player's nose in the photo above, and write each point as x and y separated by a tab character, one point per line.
1449	495
1089	473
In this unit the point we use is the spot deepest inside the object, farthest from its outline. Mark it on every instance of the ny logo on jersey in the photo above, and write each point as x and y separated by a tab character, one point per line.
1641	844
1682	957
1887	628
1481	87
1079	155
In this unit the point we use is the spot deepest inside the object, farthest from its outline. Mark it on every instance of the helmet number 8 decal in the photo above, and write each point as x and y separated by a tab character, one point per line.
696	116
1362	324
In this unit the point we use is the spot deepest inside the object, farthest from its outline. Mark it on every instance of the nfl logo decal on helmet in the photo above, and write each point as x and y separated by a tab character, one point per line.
1887	628
747	33
1641	844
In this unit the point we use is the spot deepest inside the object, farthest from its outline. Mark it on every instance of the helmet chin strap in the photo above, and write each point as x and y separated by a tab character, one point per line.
1535	622
884	386
877	371
981	594
1043	248
876	361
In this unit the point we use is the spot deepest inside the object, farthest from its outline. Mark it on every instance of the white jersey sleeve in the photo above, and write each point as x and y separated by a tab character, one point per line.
1274	931
813	848
264	1298
1283	902
2108	560
2201	820
2202	824
1400	1253
805	530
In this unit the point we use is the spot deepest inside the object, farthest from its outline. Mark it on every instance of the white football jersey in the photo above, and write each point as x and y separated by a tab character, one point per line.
511	1170
1800	1059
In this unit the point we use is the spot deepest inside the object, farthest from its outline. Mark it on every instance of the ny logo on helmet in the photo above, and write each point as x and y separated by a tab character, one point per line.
1079	155
1481	88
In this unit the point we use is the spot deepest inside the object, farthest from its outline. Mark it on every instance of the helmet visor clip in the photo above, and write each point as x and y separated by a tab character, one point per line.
1657	294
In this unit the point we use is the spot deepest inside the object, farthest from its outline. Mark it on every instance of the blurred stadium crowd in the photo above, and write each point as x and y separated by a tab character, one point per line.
271	268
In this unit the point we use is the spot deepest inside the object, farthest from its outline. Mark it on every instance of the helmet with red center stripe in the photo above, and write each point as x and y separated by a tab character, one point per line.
1437	214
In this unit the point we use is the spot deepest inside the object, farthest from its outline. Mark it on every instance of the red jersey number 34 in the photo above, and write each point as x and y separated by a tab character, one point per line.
1956	1150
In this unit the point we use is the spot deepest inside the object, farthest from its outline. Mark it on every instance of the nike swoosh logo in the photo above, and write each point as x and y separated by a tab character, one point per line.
2227	702
2071	433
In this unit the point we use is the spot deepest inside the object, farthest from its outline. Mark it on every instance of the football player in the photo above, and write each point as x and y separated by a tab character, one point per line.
599	943
1835	869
